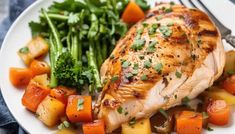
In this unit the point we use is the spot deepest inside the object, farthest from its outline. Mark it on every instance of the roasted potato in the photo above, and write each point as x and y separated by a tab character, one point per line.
140	127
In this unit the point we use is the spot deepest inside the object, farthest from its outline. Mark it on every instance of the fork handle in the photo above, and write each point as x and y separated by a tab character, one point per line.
230	39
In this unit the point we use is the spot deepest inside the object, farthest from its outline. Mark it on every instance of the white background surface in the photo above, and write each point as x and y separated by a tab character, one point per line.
19	35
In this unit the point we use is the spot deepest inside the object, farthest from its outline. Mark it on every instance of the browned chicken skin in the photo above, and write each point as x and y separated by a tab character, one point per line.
175	52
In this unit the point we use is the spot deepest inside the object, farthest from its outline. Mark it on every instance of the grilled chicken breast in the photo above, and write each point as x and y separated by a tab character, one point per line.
175	52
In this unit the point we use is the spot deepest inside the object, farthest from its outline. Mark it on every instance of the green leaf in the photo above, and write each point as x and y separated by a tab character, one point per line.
73	19
126	64
147	64
144	77
114	78
143	4
210	129
138	44
129	75
37	28
132	121
158	67
163	112
185	101
120	110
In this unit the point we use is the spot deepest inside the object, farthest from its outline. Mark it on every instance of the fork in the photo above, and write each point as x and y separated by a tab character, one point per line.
226	33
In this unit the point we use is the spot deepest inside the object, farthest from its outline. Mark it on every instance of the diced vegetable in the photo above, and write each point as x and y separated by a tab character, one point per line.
230	62
189	122
35	48
61	93
35	92
229	84
138	127
50	110
42	80
79	108
95	127
132	13
20	77
67	131
219	112
39	67
220	94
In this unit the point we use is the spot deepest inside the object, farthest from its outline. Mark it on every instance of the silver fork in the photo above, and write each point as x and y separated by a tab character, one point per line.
226	33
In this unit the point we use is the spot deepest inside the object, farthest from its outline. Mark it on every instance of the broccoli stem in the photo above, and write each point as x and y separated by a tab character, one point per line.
92	64
53	81
68	40
74	47
55	32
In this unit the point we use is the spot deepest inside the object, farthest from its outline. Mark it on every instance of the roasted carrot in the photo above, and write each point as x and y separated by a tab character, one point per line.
79	108
95	127
219	112
39	67
133	13
20	77
61	93
229	84
189	122
33	95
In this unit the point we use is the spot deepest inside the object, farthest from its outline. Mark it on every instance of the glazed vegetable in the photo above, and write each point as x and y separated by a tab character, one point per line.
229	84
79	108
137	127
20	77
35	93
35	48
189	122
132	13
95	127
62	93
219	112
230	63
39	67
50	110
220	94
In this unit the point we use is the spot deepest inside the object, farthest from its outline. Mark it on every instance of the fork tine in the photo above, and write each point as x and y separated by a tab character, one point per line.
191	2
181	2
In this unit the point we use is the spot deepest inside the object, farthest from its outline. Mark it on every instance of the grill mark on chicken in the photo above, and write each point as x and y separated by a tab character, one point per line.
208	33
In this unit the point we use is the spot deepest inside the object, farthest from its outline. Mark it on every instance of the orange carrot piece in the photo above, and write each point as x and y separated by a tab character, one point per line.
189	122
20	77
39	67
133	13
95	127
219	112
61	93
229	84
79	108
33	95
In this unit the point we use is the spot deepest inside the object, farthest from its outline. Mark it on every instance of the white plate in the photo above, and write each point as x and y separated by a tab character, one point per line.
19	34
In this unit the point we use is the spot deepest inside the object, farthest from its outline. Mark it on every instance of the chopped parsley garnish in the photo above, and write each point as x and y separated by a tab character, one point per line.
126	113
138	44
158	67
159	17
199	41
141	57
210	129
144	77
152	29
205	115
170	23
151	47
80	104
185	101
112	56
168	10
172	3
147	64
132	121
134	72
178	74
120	110
114	78
128	75
136	66
64	124
140	31
163	112
166	31
231	72
145	24
24	50
126	64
